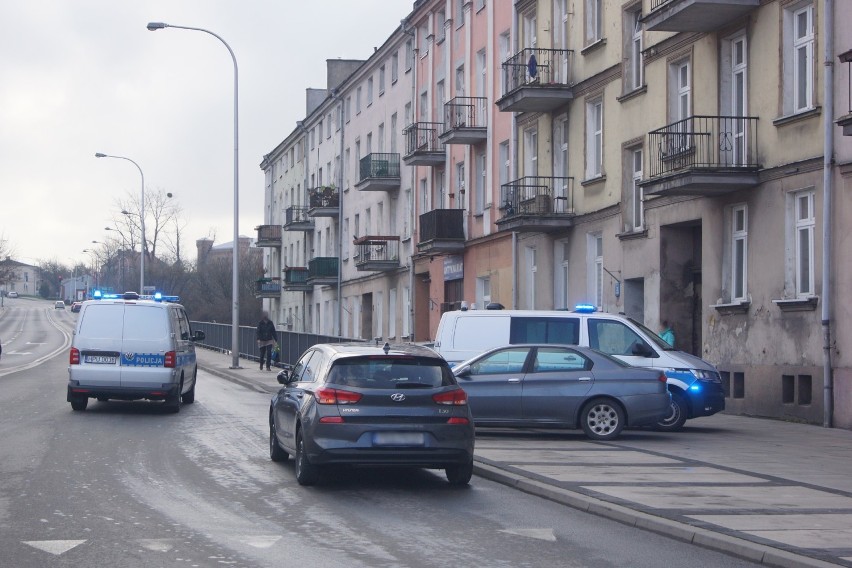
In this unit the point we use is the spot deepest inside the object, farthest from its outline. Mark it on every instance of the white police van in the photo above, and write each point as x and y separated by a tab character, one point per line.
131	347
694	383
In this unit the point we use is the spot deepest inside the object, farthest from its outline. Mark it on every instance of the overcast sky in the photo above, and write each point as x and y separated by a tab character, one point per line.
85	76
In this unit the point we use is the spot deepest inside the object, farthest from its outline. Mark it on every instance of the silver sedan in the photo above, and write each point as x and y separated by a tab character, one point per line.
561	386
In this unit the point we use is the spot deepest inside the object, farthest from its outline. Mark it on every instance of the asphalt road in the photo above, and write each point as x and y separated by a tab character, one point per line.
126	484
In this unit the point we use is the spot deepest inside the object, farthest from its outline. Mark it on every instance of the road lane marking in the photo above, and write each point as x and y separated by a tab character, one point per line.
66	343
55	547
157	544
260	541
539	534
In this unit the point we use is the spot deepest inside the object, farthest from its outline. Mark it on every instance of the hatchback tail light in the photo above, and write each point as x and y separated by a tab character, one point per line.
455	397
336	396
74	358
170	360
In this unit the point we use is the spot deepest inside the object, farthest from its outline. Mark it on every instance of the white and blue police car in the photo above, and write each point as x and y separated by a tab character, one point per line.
133	347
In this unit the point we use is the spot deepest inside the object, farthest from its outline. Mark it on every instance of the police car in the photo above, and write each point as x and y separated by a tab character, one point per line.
132	347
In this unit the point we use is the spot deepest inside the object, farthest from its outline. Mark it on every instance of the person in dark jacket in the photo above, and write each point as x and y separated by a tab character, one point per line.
266	340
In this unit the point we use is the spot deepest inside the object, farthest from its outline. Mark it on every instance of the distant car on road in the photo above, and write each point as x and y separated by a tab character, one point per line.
13	294
359	404
59	305
562	386
75	306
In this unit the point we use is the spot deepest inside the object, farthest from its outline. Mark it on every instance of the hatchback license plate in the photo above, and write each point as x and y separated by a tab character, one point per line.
398	439
100	359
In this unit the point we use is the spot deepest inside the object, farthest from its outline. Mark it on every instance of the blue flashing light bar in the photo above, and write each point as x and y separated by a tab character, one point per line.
585	309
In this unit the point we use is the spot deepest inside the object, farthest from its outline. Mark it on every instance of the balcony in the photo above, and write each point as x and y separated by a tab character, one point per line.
377	253
442	231
465	120
703	155
323	202
296	279
536	80
422	144
536	204
379	172
695	15
268	236
322	271
267	288
296	219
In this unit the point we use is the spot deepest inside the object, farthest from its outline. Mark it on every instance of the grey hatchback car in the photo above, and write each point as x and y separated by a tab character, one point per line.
562	386
358	404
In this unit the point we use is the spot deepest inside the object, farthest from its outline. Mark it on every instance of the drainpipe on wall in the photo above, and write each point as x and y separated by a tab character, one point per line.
412	320
305	155
828	161
513	151
336	97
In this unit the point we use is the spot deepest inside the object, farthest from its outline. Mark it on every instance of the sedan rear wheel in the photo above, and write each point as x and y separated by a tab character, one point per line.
460	474
306	472
602	419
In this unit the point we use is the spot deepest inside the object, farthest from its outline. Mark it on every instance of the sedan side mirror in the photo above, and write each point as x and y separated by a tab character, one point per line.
285	375
464	372
198	335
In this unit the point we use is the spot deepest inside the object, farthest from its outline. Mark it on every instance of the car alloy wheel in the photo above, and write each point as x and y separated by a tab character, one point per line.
602	419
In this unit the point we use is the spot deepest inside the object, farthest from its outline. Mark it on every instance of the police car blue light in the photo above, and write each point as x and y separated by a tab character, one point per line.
695	388
585	309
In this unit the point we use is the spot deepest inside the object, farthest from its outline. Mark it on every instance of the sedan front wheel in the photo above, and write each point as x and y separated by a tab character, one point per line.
602	419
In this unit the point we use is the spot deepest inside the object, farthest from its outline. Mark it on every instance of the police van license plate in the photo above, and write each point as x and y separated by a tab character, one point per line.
398	439
100	359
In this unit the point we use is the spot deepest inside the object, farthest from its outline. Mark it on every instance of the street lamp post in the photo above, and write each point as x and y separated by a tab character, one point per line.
235	293
141	219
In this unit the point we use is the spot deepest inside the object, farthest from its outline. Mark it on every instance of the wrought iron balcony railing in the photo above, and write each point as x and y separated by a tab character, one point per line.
537	67
423	137
379	165
721	143
538	195
323	267
466	112
295	275
442	224
297	215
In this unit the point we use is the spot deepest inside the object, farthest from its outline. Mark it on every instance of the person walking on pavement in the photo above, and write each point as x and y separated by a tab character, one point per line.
667	334
266	340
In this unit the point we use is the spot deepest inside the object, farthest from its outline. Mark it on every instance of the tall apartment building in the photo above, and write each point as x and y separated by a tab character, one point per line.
692	135
665	159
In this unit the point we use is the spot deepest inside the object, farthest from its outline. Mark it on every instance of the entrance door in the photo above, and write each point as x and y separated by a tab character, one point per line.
680	284
367	316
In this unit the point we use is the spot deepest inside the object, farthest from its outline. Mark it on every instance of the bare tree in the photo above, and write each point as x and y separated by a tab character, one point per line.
161	212
7	269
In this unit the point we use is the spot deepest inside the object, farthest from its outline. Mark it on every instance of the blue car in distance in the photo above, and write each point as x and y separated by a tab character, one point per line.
562	386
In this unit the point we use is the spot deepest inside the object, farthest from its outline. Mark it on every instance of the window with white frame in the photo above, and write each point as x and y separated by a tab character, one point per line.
392	313
459	13
680	85
460	183
804	234
320	132
594	20
424	196
562	275
409	55
483	291
799	44
394	67
505	163
460	83
530	29
481	171
369	91
439	189
348	108
531	269
595	269
381	80
358	100
393	127
633	29
531	152
561	199
505	47
440	25
481	70
739	252
594	138
637	194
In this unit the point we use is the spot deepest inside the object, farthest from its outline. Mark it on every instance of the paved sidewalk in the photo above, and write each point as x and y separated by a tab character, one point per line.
773	492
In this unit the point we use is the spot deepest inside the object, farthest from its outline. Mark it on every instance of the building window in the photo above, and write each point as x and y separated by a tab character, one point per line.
348	108
424	41
594	20
532	268
481	74
409	55
460	83
459	184
481	171
505	47
805	223
393	133
440	24
381	80
562	275
394	67
358	100
799	58
392	313
595	269
739	252
483	291
319	132
505	163
680	83
633	31
594	139
424	196
530	29
460	13
561	198
531	152
637	194
369	91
